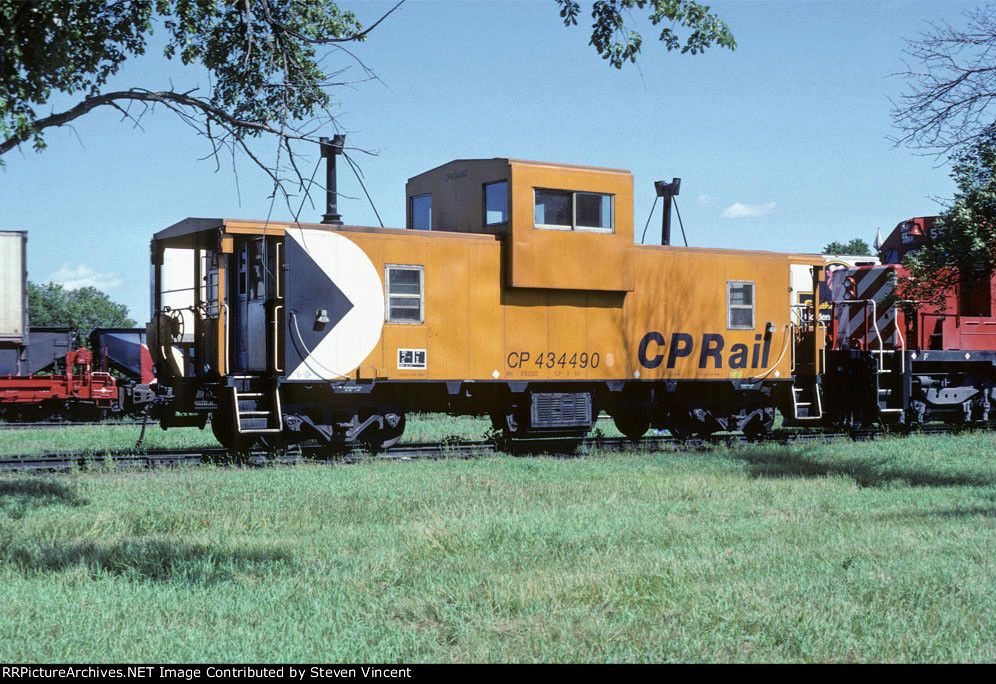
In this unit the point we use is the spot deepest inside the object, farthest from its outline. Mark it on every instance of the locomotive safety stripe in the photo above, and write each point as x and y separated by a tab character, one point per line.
853	321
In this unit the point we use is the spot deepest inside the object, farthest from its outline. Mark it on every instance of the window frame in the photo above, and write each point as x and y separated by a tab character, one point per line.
411	211
420	296
574	212
730	306
484	198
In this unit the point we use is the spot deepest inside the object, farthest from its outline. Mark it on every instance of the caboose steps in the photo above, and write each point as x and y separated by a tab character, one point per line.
256	409
807	401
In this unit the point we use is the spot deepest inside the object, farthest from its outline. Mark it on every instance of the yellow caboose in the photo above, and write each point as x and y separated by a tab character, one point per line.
515	291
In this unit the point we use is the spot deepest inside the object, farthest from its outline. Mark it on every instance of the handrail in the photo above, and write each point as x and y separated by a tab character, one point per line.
276	344
792	351
789	342
276	271
902	350
228	334
823	349
878	335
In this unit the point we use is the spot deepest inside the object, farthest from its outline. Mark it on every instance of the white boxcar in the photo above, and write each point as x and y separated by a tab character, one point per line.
13	285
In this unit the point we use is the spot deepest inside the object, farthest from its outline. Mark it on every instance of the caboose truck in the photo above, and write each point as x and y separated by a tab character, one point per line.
515	291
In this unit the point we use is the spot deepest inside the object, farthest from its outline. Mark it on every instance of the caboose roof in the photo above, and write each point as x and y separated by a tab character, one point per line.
192	226
522	162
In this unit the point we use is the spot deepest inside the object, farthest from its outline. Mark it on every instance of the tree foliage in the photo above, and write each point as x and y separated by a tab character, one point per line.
262	58
614	38
855	247
83	309
963	244
270	64
951	84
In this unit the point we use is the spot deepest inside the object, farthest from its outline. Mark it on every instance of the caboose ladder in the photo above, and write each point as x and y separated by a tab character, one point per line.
257	405
807	402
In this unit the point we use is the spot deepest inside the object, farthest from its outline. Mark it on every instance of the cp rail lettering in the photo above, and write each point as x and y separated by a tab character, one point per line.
549	360
654	349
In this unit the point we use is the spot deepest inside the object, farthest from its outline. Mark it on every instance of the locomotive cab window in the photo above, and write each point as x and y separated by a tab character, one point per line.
566	210
404	294
740	304
421	212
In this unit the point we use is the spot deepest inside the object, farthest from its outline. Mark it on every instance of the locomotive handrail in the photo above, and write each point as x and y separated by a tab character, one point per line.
878	334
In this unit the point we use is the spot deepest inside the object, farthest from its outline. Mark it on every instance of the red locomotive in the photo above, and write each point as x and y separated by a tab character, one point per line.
899	361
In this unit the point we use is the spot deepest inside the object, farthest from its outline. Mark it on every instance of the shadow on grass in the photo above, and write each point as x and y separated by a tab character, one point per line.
21	495
953	513
151	560
809	462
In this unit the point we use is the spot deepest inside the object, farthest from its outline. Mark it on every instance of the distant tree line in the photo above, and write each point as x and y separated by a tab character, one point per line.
82	309
857	246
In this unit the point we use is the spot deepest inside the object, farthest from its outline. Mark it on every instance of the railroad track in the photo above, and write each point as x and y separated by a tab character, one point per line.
50	425
158	458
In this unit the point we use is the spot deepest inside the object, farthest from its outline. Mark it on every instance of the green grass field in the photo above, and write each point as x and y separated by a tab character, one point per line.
877	551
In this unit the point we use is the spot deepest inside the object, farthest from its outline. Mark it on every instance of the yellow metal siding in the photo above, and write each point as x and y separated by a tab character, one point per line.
446	310
476	324
570	259
486	321
473	326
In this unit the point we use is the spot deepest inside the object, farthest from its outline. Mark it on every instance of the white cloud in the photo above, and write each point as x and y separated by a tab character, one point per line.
741	210
705	199
75	277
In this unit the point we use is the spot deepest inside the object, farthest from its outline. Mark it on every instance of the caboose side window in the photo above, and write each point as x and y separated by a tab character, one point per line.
594	212
421	210
496	203
740	304
565	210
404	294
553	209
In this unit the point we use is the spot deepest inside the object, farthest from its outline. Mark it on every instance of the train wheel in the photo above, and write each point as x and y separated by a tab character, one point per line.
687	429
223	427
378	439
31	413
281	442
273	443
82	412
633	425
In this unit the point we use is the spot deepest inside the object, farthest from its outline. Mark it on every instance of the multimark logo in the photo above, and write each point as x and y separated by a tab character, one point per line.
712	352
411	358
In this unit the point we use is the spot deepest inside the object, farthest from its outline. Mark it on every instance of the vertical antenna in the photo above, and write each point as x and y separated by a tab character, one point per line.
667	191
331	148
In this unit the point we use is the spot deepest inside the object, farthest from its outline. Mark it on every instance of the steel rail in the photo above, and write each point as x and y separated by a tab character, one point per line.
53	424
557	447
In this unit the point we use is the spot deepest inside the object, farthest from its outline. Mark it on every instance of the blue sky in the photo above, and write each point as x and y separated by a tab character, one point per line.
781	145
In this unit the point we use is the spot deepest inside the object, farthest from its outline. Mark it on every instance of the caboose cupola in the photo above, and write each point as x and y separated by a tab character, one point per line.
566	227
